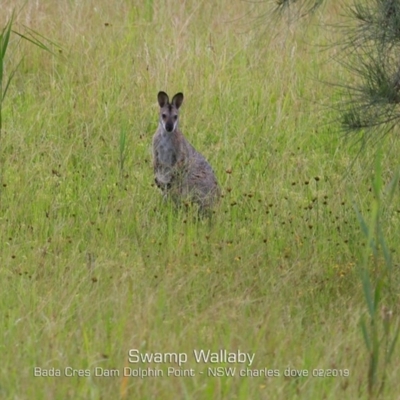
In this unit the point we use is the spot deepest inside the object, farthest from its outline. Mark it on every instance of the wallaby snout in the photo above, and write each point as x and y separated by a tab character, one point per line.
169	126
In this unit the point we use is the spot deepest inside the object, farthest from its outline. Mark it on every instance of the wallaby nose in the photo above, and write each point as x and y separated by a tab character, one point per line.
169	126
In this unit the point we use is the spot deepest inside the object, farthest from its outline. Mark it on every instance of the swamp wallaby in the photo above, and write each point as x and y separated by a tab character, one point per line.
180	171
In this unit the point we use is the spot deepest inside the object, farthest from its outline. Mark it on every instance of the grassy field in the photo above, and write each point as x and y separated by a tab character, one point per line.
93	264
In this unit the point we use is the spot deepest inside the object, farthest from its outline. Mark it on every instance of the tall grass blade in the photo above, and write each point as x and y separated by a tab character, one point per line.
364	330
385	250
393	344
122	147
5	37
366	284
377	296
34	40
4	41
377	182
9	79
363	224
393	185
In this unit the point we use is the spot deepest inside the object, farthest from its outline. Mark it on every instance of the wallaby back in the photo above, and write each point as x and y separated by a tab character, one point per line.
180	171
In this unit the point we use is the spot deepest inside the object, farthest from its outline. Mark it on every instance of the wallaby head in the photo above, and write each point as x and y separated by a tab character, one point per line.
169	112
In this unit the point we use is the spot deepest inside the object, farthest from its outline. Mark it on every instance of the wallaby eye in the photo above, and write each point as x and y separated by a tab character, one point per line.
175	117
164	116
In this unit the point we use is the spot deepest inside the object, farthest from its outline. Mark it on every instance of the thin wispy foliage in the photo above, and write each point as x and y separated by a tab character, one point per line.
369	49
371	53
297	8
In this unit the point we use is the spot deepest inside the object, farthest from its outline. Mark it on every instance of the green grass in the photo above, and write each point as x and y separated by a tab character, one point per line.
93	263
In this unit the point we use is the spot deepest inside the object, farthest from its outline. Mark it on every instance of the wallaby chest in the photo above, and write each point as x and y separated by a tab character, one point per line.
166	150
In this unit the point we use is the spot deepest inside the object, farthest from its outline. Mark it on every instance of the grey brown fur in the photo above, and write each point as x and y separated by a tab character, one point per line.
180	171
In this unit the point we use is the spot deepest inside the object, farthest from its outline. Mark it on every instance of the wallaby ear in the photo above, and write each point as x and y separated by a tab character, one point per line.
177	100
163	99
